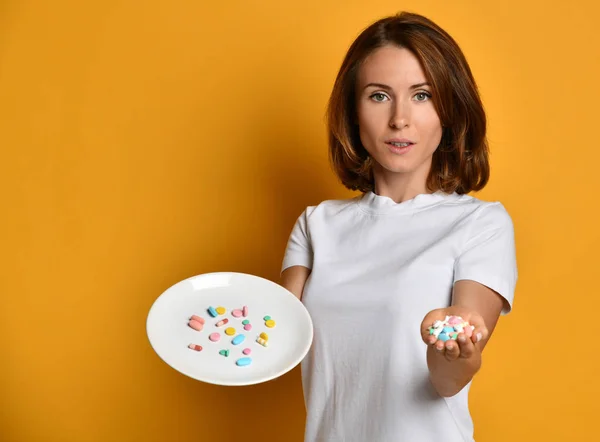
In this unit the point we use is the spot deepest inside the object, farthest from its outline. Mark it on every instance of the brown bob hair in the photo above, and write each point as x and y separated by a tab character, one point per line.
460	163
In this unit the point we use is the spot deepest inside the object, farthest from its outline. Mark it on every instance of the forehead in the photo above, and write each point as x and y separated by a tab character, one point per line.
397	67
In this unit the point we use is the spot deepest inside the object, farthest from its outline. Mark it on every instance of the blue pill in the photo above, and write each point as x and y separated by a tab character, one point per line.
443	337
238	339
212	312
448	330
243	361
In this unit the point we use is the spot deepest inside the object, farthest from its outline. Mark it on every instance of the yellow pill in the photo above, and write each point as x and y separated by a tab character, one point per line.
264	336
270	323
221	310
230	331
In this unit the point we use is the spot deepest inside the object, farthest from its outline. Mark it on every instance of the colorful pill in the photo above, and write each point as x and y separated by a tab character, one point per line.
468	331
220	310
224	353
212	312
247	351
448	329
222	322
237	313
195	347
243	361
230	331
248	327
262	342
264	336
197	318
443	337
266	318
245	322
454	320
214	337
238	339
270	323
245	311
196	325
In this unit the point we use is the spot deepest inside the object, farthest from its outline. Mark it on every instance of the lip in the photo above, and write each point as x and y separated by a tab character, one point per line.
399	150
399	140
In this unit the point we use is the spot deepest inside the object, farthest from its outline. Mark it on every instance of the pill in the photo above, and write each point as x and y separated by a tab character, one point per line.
195	325
248	327
195	347
247	351
237	313
214	337
220	310
222	322
270	323
245	311
262	342
264	336
238	339
448	329
243	361
468	331
453	320
230	331
266	318
197	318
443	337
212	312
453	335
224	353
245	322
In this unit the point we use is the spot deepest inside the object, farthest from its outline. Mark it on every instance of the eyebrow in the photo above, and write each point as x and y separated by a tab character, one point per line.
386	87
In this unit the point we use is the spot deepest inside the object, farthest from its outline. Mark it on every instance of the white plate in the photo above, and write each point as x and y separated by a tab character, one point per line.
170	335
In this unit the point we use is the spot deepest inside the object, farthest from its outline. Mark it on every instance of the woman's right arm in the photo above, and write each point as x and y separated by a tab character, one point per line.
293	278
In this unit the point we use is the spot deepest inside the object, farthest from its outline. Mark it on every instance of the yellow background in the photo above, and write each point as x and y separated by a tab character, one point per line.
144	142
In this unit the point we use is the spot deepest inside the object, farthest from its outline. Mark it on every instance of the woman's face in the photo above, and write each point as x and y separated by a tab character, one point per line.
394	106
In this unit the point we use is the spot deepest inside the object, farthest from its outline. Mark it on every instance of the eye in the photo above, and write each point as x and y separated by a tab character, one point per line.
378	96
422	96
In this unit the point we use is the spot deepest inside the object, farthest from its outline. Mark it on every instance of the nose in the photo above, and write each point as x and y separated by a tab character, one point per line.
400	115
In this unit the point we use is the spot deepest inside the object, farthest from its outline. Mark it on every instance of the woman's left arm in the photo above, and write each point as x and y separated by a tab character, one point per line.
452	364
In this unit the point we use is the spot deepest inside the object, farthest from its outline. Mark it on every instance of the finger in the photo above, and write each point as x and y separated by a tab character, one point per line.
466	346
452	350
427	322
479	333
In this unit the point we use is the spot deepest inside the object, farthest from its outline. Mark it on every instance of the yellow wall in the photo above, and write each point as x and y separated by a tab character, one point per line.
146	142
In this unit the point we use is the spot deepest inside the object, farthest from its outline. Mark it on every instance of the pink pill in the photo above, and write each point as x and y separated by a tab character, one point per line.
214	337
248	327
247	351
195	347
237	313
468	331
197	318
454	320
222	322
245	311
196	325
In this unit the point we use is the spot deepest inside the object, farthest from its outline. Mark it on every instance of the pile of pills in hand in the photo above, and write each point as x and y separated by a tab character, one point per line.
198	323
450	327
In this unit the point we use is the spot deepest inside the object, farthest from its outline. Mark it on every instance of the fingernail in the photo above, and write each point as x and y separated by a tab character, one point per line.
479	336
461	338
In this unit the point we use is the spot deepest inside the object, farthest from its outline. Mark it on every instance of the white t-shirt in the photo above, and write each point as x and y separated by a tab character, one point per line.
378	267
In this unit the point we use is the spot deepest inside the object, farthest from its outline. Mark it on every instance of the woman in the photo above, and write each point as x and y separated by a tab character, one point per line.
407	129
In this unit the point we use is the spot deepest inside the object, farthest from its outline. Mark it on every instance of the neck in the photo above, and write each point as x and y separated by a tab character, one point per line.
399	187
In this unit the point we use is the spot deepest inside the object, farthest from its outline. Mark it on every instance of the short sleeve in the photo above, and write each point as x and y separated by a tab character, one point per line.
489	256
299	250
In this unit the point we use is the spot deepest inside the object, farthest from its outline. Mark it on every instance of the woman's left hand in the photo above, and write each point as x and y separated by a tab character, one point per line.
463	347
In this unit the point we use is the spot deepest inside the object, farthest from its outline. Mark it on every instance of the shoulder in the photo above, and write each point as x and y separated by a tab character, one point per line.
330	207
486	214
